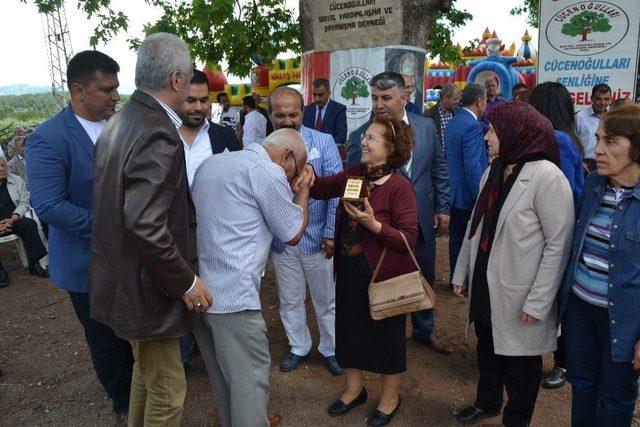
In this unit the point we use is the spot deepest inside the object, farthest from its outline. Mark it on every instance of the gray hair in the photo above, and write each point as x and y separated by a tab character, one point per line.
287	138
448	90
159	56
471	93
388	80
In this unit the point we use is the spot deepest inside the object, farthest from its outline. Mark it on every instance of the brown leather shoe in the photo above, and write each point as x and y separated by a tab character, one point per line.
274	418
434	344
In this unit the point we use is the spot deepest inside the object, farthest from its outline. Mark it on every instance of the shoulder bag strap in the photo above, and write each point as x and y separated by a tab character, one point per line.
384	253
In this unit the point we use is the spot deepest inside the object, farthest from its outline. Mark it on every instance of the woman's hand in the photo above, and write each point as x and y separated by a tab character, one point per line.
636	357
365	217
458	290
526	318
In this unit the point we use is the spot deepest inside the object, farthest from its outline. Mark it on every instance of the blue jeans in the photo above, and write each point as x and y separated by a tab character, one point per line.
112	357
423	323
604	391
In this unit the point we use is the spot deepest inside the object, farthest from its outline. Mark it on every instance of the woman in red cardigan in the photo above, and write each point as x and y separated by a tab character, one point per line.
362	232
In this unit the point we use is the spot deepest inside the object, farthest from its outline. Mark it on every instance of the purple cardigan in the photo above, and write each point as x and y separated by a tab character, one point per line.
394	205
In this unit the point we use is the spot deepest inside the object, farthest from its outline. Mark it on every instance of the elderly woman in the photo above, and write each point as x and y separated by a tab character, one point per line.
389	212
600	296
513	260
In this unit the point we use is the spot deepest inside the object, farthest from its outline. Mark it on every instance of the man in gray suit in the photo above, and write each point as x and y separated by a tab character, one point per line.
427	172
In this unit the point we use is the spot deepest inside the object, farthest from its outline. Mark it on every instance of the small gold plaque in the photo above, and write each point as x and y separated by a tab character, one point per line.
355	190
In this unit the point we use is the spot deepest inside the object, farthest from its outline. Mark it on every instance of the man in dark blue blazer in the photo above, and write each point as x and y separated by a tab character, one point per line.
427	172
326	115
466	154
59	157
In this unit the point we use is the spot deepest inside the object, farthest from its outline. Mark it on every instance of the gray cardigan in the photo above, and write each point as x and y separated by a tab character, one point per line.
19	194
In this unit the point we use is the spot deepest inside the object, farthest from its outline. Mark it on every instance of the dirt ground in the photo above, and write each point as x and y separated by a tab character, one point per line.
49	380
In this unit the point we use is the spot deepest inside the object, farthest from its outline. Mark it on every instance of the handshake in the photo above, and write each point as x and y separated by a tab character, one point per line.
304	180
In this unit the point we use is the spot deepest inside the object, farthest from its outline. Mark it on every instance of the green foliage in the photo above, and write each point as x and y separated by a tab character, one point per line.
585	23
354	88
530	8
441	31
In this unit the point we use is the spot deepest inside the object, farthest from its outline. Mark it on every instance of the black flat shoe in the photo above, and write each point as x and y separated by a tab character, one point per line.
379	418
338	407
4	278
555	379
37	270
471	414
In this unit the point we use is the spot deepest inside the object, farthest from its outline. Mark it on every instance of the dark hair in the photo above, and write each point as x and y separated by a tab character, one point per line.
199	78
398	139
625	121
600	88
317	83
553	101
84	65
388	80
519	86
471	93
220	95
249	101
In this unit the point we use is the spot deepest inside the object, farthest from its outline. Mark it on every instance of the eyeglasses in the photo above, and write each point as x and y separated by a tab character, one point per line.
370	138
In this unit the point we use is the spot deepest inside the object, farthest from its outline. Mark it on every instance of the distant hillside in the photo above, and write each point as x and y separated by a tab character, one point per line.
23	89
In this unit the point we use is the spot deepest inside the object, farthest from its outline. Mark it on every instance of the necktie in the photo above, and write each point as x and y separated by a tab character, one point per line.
319	119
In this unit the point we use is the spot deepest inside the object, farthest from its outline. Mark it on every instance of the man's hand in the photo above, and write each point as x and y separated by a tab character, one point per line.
329	248
458	290
636	357
6	225
527	318
441	222
199	298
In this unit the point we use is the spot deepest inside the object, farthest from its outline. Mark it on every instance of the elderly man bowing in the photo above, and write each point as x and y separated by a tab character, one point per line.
142	280
243	200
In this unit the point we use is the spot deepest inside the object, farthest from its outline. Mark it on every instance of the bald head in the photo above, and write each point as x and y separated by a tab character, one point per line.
286	148
285	108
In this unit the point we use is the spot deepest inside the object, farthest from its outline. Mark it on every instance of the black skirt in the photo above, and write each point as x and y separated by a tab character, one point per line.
377	346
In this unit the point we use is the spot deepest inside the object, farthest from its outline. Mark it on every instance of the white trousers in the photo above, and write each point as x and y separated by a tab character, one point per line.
294	269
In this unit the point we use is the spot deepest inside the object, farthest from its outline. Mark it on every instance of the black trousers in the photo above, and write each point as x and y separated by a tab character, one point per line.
520	375
457	229
112	357
27	230
560	355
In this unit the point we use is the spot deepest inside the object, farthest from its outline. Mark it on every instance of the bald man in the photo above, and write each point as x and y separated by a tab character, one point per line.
243	200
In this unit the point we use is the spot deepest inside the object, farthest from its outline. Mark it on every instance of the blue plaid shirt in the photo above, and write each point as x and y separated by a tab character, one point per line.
323	155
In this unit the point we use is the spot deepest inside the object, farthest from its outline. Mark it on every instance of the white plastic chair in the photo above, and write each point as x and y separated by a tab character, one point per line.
21	250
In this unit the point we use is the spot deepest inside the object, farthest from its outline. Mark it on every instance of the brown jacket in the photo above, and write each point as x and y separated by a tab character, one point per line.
143	237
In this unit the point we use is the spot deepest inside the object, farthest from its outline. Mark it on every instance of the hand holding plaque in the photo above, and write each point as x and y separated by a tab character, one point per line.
356	189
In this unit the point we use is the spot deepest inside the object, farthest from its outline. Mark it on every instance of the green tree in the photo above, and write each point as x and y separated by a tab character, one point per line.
441	31
585	23
531	8
238	31
354	88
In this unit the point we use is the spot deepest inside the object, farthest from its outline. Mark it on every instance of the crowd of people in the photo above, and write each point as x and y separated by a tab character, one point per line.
160	220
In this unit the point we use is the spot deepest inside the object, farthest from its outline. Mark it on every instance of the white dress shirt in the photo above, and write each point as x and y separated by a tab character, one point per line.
254	129
199	150
93	129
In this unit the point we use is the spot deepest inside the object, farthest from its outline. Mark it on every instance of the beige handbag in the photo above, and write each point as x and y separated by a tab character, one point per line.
401	294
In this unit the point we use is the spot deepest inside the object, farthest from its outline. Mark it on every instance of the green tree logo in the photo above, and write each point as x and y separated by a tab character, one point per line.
585	23
354	88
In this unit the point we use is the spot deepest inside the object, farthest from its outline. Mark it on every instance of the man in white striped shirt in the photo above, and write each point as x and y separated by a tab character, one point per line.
243	200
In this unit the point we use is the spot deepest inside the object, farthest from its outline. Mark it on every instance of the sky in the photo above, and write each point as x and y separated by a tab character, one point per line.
24	52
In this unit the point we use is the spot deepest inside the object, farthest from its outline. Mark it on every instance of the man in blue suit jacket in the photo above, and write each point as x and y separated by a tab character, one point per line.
333	115
466	154
60	168
427	172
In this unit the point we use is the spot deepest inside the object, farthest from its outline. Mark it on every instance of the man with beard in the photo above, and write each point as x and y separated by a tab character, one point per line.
202	138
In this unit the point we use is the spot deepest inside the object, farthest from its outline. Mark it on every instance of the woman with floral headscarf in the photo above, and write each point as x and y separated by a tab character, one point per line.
517	246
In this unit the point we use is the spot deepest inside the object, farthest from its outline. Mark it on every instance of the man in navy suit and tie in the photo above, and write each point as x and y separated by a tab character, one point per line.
466	154
427	172
59	157
326	115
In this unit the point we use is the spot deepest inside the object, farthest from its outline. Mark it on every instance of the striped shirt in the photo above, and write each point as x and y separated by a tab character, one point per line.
592	276
242	201
323	155
587	122
445	118
173	116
